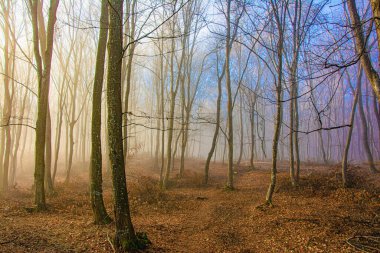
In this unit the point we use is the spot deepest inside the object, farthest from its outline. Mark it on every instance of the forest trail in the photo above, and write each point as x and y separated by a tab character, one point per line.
318	216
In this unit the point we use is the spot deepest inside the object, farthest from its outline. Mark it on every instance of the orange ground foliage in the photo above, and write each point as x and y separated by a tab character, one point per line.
317	216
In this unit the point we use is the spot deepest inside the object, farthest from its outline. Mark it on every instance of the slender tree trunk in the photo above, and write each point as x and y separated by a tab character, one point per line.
252	121
43	73
345	179
241	131
296	141
18	136
173	94
230	132
73	120
291	137
131	51
57	140
163	121
278	119
48	180
367	148
217	126
171	119
158	124
7	109
96	180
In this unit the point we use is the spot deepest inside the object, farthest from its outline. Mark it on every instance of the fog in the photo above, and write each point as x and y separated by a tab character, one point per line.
235	83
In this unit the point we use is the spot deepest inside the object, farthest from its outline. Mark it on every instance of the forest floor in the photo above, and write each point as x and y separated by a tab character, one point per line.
316	216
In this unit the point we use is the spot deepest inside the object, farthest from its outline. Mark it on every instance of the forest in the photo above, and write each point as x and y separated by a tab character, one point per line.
190	126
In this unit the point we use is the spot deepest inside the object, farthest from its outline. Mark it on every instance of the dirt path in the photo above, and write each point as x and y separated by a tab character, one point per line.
316	217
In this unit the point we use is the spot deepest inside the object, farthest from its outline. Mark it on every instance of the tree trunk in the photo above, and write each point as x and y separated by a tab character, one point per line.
57	139
173	94
253	141
230	135
18	136
375	4
96	190
48	181
132	46
7	109
125	237
241	131
73	120
278	119
360	42
345	179
367	148
43	73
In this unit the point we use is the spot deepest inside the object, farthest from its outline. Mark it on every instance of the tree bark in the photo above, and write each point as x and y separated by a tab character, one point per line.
345	179
48	180
375	4
131	19
96	190
241	131
125	237
217	126
366	145
360	42
43	73
230	135
7	109
278	119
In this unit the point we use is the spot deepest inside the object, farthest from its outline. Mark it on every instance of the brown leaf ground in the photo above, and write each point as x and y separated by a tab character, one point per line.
317	216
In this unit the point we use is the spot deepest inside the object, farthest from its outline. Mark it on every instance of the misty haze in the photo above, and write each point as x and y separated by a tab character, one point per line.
190	126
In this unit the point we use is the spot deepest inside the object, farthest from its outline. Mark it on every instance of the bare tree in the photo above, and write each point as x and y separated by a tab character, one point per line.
7	109
345	178
96	190
125	237
278	8
43	73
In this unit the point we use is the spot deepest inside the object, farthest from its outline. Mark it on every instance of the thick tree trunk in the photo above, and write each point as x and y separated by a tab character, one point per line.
360	42
375	4
125	237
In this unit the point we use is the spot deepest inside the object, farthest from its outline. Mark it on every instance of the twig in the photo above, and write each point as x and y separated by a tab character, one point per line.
9	241
363	247
109	240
